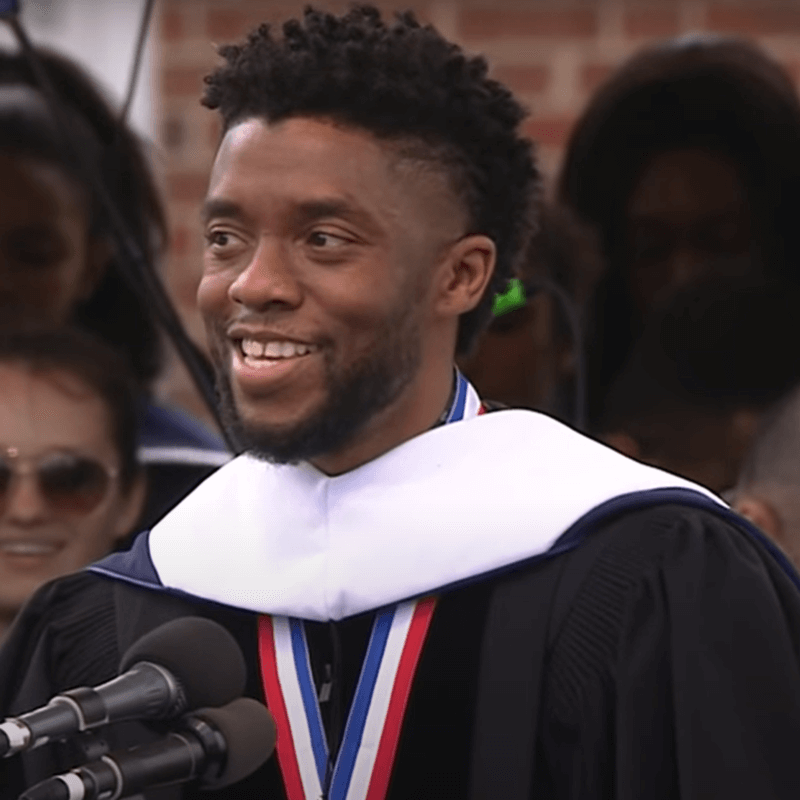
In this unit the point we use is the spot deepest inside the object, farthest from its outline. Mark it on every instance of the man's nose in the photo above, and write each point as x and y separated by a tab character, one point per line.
25	503
270	278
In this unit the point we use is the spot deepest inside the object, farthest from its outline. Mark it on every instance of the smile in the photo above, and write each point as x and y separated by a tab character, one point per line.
265	364
255	350
28	547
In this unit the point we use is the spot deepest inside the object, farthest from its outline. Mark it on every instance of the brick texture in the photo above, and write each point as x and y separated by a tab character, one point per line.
755	18
523	77
652	21
593	74
172	27
553	53
181	82
487	23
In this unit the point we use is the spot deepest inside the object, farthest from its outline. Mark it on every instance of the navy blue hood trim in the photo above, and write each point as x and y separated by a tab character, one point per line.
132	566
633	501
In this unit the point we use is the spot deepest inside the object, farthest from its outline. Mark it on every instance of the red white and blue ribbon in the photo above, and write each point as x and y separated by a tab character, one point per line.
466	403
364	762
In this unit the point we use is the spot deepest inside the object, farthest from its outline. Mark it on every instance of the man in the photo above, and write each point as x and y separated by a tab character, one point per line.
767	490
435	602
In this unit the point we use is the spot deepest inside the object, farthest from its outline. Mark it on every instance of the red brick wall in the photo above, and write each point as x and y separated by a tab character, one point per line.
552	53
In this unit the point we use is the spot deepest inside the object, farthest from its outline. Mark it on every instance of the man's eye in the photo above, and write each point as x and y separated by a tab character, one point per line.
219	239
326	240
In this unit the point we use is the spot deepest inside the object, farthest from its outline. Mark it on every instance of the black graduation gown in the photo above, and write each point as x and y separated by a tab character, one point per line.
671	668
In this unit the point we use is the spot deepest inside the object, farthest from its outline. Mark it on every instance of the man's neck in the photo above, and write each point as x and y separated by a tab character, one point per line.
419	409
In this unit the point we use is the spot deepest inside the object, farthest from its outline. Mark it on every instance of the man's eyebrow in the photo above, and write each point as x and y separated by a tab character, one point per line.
310	210
220	208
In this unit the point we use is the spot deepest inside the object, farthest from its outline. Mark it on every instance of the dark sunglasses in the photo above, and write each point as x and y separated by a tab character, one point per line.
71	484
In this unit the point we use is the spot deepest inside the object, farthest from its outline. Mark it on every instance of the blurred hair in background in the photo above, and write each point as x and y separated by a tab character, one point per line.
687	162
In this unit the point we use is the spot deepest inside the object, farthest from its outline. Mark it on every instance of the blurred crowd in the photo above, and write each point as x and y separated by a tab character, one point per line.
656	308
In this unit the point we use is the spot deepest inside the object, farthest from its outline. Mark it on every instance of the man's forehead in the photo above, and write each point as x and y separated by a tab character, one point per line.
325	162
301	136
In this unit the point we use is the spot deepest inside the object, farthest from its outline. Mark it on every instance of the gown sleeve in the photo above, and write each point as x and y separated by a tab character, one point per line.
64	637
676	671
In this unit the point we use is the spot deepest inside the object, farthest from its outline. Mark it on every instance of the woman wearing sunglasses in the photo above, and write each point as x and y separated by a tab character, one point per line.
70	484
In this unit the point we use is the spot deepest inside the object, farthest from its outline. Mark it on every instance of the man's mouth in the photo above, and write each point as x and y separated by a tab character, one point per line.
255	351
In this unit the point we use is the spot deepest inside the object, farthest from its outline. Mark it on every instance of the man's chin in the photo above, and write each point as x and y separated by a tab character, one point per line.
291	444
273	443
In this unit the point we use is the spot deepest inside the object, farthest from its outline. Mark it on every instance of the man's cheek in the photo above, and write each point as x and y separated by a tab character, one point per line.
212	295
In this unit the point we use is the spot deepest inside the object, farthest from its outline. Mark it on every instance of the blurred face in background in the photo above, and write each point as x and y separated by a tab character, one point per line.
61	501
688	220
49	262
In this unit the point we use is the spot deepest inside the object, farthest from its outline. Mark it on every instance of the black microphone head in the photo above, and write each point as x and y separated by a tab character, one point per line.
203	656
249	733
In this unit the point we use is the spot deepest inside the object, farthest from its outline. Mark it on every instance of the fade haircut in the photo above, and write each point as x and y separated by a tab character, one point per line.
403	83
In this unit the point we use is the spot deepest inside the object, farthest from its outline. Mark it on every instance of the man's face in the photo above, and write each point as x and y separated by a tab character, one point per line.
320	256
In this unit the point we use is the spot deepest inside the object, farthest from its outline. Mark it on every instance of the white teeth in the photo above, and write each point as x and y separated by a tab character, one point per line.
26	548
250	347
275	350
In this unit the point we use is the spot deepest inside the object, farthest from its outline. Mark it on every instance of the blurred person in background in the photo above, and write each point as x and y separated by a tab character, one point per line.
70	483
527	356
768	489
705	369
58	261
687	162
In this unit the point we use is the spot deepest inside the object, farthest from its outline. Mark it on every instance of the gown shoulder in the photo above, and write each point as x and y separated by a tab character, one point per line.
673	668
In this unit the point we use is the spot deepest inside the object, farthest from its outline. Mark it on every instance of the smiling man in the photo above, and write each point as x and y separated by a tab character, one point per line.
336	267
435	602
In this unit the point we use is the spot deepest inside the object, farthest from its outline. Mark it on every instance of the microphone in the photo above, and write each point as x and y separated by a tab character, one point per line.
184	664
220	746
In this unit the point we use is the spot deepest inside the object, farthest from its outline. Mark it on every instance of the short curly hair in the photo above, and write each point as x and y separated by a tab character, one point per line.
404	82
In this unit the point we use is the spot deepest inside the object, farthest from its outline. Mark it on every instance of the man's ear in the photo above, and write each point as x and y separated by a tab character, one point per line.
467	269
761	514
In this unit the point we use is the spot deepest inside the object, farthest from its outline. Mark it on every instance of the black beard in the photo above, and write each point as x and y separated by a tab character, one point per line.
355	396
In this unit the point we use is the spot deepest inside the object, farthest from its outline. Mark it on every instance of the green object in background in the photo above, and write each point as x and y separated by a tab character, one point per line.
512	299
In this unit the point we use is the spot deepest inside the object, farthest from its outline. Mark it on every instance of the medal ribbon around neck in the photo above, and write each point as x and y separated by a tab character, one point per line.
364	763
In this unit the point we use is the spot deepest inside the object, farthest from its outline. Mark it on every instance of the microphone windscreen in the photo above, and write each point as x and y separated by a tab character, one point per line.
200	653
250	734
